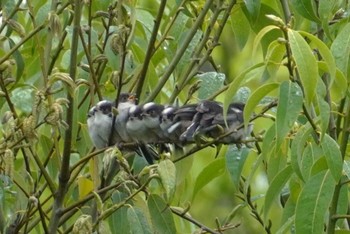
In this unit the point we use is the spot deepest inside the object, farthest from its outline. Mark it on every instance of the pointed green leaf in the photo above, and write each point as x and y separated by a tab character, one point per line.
240	25
235	85
323	108
260	35
333	156
167	173
325	53
306	9
235	159
298	147
138	221
255	98
276	187
210	172
341	50
161	215
289	106
306	64
313	203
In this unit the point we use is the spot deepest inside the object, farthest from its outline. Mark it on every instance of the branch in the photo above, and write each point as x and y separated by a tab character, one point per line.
151	46
64	171
180	52
195	222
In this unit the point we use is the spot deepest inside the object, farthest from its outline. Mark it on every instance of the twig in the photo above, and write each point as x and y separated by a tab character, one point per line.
180	52
64	171
150	49
195	222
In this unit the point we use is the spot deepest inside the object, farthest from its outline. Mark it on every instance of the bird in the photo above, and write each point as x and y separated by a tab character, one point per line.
151	115
99	123
206	110
175	120
209	121
125	102
139	134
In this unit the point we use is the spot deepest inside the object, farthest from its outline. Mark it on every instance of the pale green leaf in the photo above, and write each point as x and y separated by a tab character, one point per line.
161	215
306	64
276	187
313	203
210	172
255	98
289	106
260	35
341	49
306	9
235	159
138	221
167	173
332	153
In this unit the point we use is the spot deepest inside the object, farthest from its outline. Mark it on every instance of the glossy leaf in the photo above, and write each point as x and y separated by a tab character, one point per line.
325	53
289	107
306	64
341	50
332	153
313	203
211	82
161	215
260	35
276	187
240	25
255	98
306	9
298	147
235	85
235	159
138	221
210	172
167	173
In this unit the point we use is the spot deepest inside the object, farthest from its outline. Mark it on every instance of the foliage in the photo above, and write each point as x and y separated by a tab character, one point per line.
288	60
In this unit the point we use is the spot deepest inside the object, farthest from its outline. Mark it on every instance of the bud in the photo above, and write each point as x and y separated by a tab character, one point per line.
28	128
83	225
8	163
55	114
17	27
55	24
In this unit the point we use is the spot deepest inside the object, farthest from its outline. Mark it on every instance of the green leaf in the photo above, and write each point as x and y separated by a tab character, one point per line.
346	168
332	153
325	53
298	146
276	187
289	106
260	35
240	25
306	9
167	173
210	172
138	221
255	98
235	85
235	159
323	108
118	220
161	215
211	82
307	161
306	64
341	50
313	203
253	7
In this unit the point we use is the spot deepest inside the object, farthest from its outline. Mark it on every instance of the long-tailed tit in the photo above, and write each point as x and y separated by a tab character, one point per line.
100	124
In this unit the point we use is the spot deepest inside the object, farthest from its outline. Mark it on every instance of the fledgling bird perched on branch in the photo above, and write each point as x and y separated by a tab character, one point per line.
99	124
209	122
151	114
175	120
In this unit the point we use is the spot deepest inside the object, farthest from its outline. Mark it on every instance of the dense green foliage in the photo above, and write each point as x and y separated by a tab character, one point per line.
288	60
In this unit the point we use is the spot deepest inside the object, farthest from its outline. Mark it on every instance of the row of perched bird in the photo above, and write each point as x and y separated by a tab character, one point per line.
155	123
